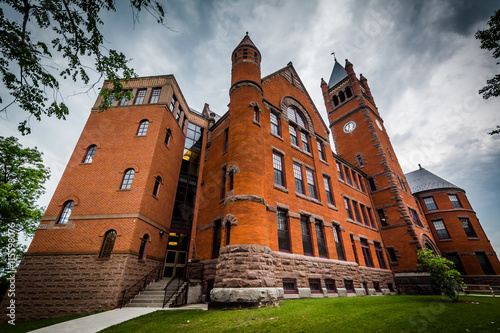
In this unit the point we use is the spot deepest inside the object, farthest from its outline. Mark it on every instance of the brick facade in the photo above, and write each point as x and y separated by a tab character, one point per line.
251	207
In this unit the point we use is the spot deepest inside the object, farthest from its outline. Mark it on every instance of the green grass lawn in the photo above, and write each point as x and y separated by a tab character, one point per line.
359	314
33	325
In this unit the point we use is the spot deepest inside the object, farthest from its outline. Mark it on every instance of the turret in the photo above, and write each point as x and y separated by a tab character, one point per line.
246	65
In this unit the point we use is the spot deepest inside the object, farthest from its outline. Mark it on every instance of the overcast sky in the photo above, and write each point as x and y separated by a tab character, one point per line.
421	59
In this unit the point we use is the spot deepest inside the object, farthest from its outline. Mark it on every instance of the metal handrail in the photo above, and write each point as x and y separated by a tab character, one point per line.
180	282
145	278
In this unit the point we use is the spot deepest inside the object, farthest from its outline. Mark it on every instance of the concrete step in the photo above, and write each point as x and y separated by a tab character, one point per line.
146	305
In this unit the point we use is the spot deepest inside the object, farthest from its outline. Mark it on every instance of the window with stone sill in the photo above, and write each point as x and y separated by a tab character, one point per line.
143	127
392	255
328	190
311	183
290	286
430	204
349	286
279	174
330	286
340	172
315	286
321	151
299	181
370	216
348	175
441	230
275	124
306	235
66	212
355	179
380	255
89	156
454	201
366	253
320	237
365	215
108	244
354	249
124	100
348	208
155	95
173	101
305	142
376	286
356	211
338	242
128	177
293	136
469	231
139	96
283	231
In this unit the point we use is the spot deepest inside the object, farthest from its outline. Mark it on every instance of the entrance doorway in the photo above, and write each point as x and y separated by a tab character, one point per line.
177	255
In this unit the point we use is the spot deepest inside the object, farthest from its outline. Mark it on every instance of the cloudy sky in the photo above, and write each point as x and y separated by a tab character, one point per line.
421	60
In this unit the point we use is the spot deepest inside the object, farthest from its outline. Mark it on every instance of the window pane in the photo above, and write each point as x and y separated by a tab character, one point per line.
278	169
293	136
467	227
283	233
454	201
90	154
143	128
66	212
306	235
139	98
299	183
441	229
155	95
275	128
429	203
127	179
311	184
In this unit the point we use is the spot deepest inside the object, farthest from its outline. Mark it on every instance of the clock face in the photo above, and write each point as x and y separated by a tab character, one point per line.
379	124
349	126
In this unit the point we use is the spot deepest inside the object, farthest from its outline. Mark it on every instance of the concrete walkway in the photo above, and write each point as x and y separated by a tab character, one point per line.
102	320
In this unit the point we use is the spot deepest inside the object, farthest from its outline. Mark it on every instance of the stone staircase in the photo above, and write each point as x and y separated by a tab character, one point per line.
152	296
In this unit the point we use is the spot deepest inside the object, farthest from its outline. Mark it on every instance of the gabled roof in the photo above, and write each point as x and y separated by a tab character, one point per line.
338	74
422	180
290	74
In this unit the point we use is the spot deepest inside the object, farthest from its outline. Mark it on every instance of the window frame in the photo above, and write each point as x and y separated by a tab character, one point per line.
156	188
304	139
328	189
379	251
168	137
283	232
328	285
306	235
276	126
429	205
155	97
355	206
89	155
108	244
347	173
299	182
340	172
226	141
321	151
455	203
279	174
173	102
143	128
440	232
142	248
294	139
223	183
139	96
486	265
216	238
472	233
321	239
123	101
349	286
317	283
65	214
290	281
367	254
355	251
311	184
339	245
348	208
128	178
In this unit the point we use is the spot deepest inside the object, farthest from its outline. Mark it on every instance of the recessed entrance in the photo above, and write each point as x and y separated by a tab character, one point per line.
177	253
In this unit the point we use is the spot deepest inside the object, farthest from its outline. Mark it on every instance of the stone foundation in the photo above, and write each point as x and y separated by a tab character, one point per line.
492	280
252	276
58	285
416	283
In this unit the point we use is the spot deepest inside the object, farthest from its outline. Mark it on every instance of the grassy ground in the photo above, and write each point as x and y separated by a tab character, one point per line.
371	314
34	325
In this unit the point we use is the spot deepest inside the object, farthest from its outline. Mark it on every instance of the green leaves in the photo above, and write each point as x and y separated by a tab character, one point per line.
444	277
22	175
76	24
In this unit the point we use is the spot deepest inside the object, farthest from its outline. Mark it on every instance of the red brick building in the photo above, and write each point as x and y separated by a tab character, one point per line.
250	208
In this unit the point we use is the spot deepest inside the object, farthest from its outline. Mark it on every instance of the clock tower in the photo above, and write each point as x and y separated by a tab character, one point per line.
360	138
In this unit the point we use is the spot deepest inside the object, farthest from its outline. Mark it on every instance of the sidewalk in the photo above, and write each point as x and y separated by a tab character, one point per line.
100	321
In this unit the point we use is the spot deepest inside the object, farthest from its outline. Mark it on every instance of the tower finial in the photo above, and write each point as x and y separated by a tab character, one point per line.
247	33
334	57
420	167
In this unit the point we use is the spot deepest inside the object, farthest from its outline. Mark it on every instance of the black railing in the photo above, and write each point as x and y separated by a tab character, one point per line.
176	282
140	285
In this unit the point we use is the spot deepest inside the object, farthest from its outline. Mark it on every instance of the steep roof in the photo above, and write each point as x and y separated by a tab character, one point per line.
338	74
422	180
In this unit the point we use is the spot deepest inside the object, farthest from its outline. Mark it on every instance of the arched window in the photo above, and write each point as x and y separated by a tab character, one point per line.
295	116
348	92
89	156
143	127
335	100
156	189
127	179
66	212
142	249
168	136
108	244
342	96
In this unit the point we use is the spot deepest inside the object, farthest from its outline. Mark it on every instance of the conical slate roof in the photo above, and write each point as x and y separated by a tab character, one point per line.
338	74
422	180
246	41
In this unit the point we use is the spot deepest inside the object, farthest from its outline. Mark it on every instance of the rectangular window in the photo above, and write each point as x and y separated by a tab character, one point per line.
414	217
305	142
293	136
226	139
366	253
275	124
299	181
155	95
283	231
338	243
349	285
485	263
306	235
223	183
290	286
454	201
348	175
365	215
320	237
231	180
228	233
373	187
256	114
124	100
453	257
392	255
356	211
172	103
355	178
429	203
467	227
339	171
354	249
328	190
321	151
311	184
139	97
382	217
216	239
179	115
348	208
330	286
279	177
362	184
441	231
370	216
315	286
376	286
380	255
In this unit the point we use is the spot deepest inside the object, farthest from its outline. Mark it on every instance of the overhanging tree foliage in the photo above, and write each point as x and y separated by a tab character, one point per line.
31	68
444	277
490	40
22	175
